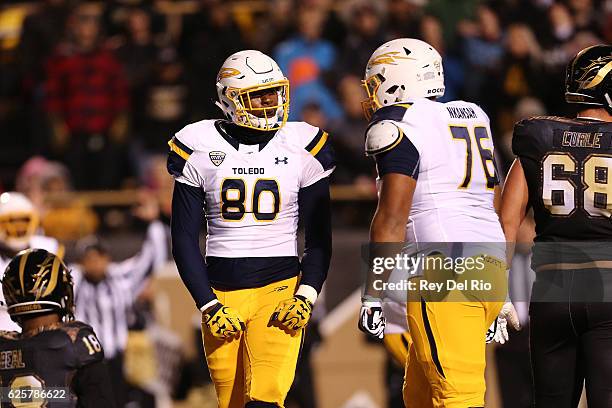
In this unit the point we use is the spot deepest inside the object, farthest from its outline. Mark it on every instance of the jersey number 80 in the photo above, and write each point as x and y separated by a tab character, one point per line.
234	196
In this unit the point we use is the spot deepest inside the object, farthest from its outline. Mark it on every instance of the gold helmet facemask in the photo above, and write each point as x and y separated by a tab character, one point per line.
244	110
371	104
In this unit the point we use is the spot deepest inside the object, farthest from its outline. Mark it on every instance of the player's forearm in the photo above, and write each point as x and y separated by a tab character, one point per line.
513	205
315	213
387	227
186	222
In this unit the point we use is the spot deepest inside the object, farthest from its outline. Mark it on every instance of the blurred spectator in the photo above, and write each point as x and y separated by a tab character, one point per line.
431	32
41	33
165	104
116	14
87	100
483	54
305	59
365	36
519	73
208	37
138	55
403	17
275	26
526	108
348	135
333	28
450	14
62	216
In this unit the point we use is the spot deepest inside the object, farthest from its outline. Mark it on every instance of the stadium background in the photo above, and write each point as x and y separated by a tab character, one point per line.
88	155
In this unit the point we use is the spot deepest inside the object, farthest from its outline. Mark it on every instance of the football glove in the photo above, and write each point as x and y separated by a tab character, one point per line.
223	322
371	318
294	313
499	329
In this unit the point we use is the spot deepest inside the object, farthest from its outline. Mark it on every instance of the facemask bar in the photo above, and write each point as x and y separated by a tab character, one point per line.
241	98
371	104
17	226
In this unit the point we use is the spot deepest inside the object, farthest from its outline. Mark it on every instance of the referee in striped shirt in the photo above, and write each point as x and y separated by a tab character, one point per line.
105	292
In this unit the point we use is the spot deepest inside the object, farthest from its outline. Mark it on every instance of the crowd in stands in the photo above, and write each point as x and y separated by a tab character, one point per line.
99	87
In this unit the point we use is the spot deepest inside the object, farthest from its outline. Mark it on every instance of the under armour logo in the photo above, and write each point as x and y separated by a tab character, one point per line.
284	160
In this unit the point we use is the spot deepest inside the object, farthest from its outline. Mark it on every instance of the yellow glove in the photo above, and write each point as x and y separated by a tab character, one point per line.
223	322
294	313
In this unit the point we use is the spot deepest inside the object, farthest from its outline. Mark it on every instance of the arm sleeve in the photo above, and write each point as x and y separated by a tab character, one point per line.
403	159
315	214
187	216
92	386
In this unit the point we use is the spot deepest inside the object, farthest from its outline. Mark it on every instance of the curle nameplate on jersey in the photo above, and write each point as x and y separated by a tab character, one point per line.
381	137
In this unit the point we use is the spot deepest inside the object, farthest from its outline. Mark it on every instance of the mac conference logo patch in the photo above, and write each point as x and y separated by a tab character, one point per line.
216	158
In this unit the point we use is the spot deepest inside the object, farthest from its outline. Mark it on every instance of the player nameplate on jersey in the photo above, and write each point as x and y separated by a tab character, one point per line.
588	140
216	157
11	359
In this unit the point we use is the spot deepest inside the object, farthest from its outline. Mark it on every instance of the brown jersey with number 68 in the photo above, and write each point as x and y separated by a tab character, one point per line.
568	168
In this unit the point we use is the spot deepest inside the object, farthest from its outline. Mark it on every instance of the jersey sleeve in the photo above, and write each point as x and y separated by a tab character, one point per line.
320	161
179	164
403	158
87	347
526	139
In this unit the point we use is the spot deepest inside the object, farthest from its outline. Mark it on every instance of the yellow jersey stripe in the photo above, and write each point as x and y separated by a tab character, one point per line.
178	150
319	145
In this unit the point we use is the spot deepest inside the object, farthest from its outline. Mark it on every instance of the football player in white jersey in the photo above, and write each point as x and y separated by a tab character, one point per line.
437	184
252	176
19	225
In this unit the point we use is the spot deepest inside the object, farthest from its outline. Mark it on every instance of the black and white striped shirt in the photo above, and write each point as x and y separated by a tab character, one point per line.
105	305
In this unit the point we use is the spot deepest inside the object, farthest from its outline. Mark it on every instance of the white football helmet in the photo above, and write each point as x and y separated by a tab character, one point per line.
18	220
400	70
243	74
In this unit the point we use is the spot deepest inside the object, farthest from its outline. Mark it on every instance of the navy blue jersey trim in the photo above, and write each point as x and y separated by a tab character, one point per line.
182	145
175	164
233	142
403	159
251	272
315	140
393	112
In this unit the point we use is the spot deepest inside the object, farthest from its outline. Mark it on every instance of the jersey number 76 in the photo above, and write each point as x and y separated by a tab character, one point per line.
486	156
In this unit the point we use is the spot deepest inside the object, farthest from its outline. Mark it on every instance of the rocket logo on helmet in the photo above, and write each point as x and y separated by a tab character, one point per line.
387	58
227	73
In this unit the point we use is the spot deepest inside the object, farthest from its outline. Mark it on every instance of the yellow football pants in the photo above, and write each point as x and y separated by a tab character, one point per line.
260	364
416	390
449	337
